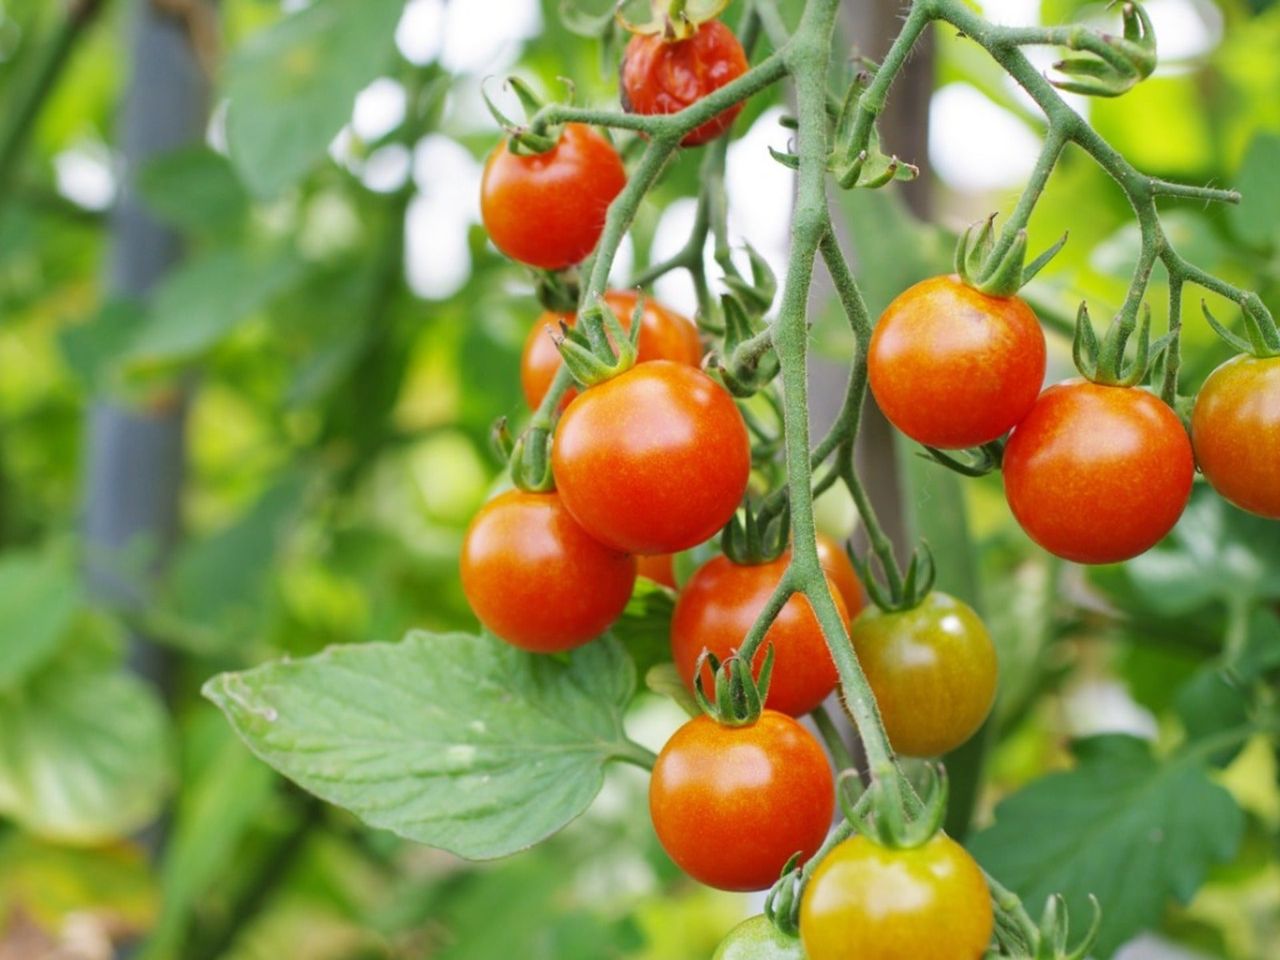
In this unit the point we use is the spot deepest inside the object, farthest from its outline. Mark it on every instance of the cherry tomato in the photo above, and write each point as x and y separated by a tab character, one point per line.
758	939
654	460
716	609
839	570
548	209
953	367
868	902
1098	474
731	805
1235	429
658	567
664	335
536	579
932	669
661	76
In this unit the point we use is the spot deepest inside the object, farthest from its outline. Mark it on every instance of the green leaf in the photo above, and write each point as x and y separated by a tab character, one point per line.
292	86
39	597
459	742
194	189
202	301
1257	217
84	755
1122	825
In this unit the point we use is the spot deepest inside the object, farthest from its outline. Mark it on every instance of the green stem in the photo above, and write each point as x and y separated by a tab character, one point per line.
628	751
831	737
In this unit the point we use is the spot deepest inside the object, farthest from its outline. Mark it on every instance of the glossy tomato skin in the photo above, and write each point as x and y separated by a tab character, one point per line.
1098	474
933	670
867	902
716	609
548	209
536	579
732	804
839	570
952	367
664	335
1235	430
758	939
654	460
660	76
658	567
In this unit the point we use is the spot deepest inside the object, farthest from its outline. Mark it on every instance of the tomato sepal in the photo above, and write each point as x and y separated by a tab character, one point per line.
598	348
530	461
523	139
971	462
1103	361
916	582
782	902
752	537
978	265
878	812
673	20
1117	64
740	697
1264	338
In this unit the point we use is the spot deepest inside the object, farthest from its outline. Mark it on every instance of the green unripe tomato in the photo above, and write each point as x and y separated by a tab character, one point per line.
758	939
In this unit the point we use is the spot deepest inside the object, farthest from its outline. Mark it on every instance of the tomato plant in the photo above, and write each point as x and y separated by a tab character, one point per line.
732	805
1098	473
547	209
758	939
653	461
951	366
522	560
868	902
1235	428
933	671
664	335
660	75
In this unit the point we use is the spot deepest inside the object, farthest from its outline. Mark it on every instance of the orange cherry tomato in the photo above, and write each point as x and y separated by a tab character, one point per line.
953	367
664	335
839	570
536	579
716	609
548	209
1098	474
662	76
654	460
731	805
658	567
1235	429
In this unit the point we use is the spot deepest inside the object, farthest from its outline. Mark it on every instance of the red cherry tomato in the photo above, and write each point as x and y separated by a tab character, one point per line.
953	367
661	76
664	335
536	579
548	209
732	804
933	671
658	567
1235	429
867	902
716	609
839	570
654	460
1098	474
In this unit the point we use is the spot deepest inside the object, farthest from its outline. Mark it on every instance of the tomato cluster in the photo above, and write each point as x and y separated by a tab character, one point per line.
1094	473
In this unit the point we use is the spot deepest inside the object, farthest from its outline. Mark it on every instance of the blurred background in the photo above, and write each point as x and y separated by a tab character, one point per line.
252	342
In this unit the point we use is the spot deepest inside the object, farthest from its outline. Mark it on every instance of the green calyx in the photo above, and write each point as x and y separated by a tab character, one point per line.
739	696
531	137
914	587
530	461
782	903
998	270
974	462
749	361
1020	939
1104	361
597	348
878	813
1108	65
672	19
557	290
751	538
1263	337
